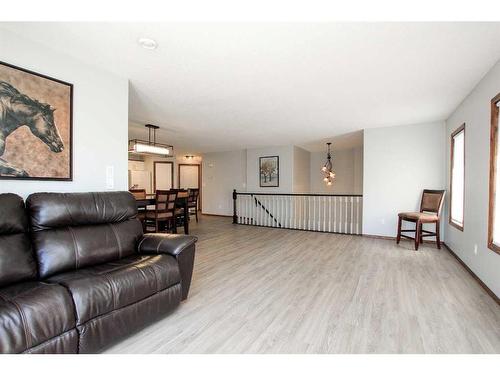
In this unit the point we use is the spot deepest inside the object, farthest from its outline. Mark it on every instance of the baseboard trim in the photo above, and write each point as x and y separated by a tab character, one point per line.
479	281
205	214
394	238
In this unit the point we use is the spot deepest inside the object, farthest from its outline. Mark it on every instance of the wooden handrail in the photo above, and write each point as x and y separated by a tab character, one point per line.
298	194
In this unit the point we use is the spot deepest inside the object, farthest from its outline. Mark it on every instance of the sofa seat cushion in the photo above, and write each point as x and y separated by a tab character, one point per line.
32	313
100	289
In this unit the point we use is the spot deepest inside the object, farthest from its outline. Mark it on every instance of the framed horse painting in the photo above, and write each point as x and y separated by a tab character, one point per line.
36	115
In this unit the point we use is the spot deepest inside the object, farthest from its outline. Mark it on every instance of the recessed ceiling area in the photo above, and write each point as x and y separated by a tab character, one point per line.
227	86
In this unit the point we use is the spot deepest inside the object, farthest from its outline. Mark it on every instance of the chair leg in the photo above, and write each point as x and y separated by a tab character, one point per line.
421	237
398	238
196	213
174	225
156	226
438	240
417	234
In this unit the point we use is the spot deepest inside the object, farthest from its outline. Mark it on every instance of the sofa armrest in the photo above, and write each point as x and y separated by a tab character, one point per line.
180	246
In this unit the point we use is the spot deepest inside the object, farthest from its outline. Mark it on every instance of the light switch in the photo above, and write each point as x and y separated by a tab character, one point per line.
110	177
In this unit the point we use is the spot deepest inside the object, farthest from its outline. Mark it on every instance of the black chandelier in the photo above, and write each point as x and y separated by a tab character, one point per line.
328	167
150	147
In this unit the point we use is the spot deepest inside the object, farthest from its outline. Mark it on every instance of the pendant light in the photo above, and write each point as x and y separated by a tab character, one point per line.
150	147
327	169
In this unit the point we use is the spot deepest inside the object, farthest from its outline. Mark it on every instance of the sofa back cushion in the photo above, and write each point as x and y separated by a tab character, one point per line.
17	262
75	230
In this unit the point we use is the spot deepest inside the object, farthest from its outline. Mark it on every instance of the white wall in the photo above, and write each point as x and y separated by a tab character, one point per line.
475	112
285	154
399	162
100	118
358	171
149	166
348	168
222	173
301	173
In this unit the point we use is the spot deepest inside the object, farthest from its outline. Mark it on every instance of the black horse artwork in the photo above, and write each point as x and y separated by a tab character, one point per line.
16	110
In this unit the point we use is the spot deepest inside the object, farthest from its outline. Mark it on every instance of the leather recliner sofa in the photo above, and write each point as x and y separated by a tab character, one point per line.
77	273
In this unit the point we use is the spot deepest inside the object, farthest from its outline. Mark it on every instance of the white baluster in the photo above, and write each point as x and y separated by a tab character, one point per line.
290	215
266	216
324	214
275	220
352	213
346	218
329	199
334	214
341	214
241	208
294	212
259	211
304	212
271	221
358	199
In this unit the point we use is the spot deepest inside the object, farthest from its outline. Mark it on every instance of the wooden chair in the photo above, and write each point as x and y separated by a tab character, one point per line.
138	193
193	202
141	212
164	211
430	212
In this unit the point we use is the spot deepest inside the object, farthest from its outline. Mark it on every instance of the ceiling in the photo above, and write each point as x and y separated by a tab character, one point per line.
226	86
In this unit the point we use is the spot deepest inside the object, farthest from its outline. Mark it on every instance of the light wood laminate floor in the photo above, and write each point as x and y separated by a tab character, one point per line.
263	290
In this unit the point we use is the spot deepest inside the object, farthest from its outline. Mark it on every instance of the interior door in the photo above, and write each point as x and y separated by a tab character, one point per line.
189	176
163	175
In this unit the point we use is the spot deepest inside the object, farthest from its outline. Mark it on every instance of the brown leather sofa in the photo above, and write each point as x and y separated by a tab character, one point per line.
77	273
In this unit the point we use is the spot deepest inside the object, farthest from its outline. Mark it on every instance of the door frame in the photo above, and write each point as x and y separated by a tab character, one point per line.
171	173
199	178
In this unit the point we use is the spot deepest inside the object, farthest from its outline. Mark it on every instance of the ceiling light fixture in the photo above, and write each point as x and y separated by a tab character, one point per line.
147	43
328	167
150	147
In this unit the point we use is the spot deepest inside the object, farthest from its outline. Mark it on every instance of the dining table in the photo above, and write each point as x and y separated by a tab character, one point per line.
182	201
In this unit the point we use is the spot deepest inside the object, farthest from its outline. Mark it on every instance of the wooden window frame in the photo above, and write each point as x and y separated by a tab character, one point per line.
493	156
452	143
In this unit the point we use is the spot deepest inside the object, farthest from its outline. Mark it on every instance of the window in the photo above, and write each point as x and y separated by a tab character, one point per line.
494	205
457	178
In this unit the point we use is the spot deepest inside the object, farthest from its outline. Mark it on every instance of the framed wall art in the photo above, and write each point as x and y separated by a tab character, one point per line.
36	126
269	170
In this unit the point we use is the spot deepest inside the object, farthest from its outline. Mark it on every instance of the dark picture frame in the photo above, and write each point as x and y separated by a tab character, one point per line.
41	149
269	171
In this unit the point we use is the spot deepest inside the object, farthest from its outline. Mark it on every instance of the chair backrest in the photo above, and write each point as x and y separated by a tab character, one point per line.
432	201
138	193
165	201
74	230
193	195
17	262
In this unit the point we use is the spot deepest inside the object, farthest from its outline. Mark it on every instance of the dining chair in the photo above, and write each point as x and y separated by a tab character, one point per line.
138	193
193	202
430	213
164	211
141	212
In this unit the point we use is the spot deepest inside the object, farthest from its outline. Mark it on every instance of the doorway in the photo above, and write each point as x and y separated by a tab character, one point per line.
163	175
189	177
